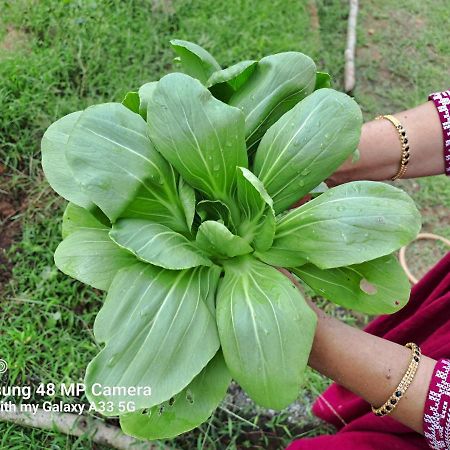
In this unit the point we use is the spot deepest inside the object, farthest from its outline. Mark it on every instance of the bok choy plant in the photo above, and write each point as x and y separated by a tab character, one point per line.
178	207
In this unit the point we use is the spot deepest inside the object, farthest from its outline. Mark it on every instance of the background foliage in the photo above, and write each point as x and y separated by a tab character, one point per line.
58	56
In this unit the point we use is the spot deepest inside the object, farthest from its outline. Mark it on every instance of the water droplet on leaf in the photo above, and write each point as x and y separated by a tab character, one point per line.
113	360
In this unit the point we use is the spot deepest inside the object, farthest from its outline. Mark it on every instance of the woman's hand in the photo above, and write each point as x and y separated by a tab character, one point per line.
380	148
369	366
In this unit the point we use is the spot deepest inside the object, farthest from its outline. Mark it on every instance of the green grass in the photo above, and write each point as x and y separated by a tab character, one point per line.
60	56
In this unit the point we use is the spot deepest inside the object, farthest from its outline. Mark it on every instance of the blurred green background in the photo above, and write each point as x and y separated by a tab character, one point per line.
59	56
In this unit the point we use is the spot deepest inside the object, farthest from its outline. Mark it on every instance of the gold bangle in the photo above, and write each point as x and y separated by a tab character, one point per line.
404	159
404	384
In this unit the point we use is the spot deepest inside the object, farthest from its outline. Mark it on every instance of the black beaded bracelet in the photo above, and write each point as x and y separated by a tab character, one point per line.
404	384
404	159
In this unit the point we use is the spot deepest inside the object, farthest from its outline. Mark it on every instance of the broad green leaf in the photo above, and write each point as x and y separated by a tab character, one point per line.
279	256
113	159
379	286
265	233
210	284
257	215
307	145
157	244
137	101
110	321
185	410
187	198
225	82
77	218
199	135
266	331
277	84
235	75
217	240
159	203
145	93
253	197
215	210
323	80
349	224
91	257
54	163
152	321
196	61
131	101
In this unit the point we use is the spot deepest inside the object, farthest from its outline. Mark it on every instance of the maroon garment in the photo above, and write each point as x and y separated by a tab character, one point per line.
425	320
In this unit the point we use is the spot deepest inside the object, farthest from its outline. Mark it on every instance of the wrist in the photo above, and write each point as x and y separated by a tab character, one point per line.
352	170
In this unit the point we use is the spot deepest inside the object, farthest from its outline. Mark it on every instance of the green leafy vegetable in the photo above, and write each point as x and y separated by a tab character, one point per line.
187	198
131	101
349	224
200	136
195	60
77	218
185	410
178	207
54	162
124	166
278	83
323	80
145	93
89	255
307	145
217	240
266	331
215	210
149	241
224	83
257	214
148	305
379	286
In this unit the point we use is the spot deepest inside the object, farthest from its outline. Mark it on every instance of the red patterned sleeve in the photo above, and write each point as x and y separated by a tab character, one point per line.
442	102
436	419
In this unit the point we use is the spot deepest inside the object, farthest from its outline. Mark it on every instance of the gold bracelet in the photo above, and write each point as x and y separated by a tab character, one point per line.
404	142
404	384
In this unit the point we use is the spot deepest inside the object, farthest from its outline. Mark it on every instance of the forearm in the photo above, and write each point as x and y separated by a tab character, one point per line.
370	367
380	148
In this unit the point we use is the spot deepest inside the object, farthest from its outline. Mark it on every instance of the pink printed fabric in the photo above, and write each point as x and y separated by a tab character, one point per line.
442	102
436	419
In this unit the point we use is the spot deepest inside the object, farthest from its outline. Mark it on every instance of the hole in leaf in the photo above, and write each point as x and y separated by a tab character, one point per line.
146	412
190	397
160	410
367	287
171	401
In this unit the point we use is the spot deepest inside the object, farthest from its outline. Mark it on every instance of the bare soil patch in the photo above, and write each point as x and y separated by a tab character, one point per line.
14	40
401	27
9	231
